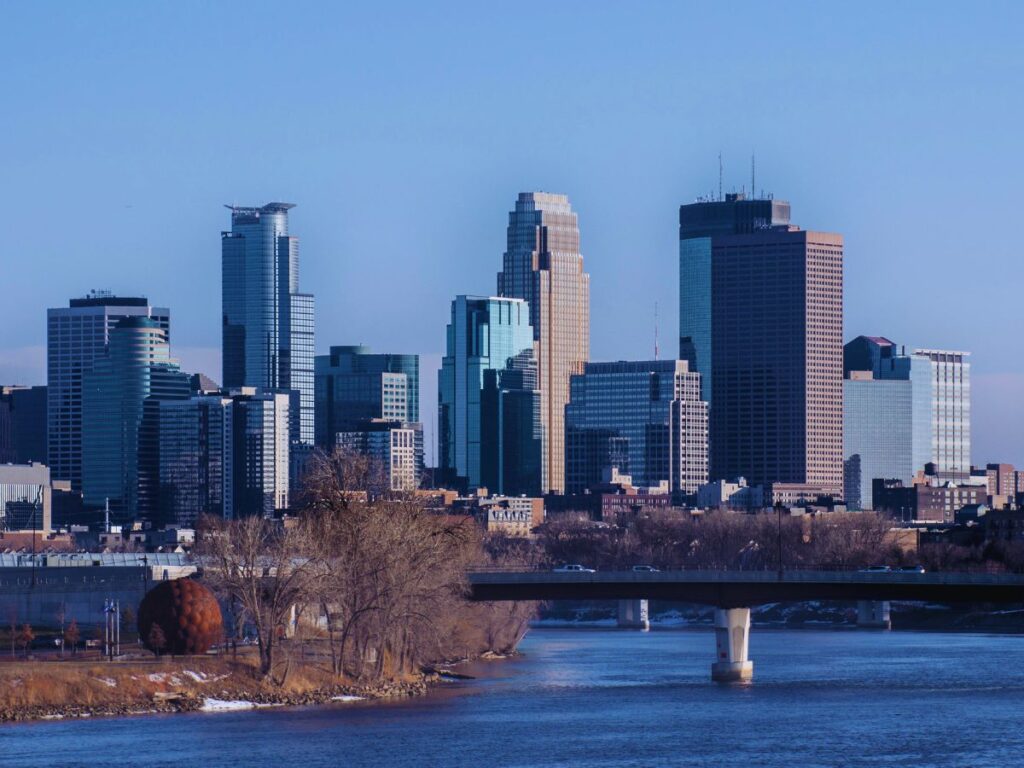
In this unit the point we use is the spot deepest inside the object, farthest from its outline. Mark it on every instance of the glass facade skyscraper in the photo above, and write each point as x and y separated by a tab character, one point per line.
352	383
900	412
949	378
358	391
76	337
224	454
196	459
22	425
511	436
119	456
543	265
483	334
646	419
760	318
267	323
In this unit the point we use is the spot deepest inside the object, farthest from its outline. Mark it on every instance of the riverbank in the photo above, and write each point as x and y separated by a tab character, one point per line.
36	690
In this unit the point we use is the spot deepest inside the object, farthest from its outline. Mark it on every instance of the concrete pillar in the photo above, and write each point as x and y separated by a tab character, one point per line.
732	634
633	614
873	614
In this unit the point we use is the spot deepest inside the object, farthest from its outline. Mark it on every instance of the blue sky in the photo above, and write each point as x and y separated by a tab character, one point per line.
404	132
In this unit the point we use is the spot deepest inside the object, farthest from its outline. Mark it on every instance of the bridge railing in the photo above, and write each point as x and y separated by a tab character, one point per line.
750	576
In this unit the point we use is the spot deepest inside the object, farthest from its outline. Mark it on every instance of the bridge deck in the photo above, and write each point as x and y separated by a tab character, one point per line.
745	588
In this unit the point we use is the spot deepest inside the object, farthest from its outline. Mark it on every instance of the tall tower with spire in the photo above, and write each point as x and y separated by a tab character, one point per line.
544	266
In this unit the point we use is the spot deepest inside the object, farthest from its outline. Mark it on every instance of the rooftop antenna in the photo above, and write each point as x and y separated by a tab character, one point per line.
720	176
753	189
655	330
106	515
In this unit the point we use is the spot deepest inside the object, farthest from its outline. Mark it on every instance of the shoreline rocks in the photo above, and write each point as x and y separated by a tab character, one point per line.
178	702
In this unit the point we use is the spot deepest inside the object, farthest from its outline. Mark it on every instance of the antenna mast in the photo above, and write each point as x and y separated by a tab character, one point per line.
753	189
720	177
655	330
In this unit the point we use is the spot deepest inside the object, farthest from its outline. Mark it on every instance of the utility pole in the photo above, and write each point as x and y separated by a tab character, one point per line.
778	511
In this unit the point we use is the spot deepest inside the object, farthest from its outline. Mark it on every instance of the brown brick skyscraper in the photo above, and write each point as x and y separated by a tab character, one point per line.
761	317
544	266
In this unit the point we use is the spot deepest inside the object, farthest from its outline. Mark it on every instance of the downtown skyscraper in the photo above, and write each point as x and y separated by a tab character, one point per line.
761	319
486	334
543	265
119	443
267	322
76	338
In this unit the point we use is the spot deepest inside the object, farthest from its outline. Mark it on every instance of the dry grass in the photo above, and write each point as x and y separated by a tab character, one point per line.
36	685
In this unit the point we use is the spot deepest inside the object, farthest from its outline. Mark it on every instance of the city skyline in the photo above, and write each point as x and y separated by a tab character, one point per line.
881	176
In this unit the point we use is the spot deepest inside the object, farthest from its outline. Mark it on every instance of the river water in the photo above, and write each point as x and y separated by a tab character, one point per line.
582	697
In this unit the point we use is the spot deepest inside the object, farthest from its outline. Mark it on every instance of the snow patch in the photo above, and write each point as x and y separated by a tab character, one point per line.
347	698
225	705
108	681
157	677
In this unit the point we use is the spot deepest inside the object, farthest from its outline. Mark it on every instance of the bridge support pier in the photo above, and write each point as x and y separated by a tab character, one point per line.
732	634
873	614
633	615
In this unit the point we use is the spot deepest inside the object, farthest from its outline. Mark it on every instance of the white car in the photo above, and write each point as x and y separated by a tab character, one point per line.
573	568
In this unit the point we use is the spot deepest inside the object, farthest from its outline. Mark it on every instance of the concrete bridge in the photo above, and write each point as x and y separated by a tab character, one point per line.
732	593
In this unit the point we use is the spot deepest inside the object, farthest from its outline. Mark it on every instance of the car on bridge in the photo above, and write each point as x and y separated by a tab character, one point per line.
645	569
876	569
912	569
572	568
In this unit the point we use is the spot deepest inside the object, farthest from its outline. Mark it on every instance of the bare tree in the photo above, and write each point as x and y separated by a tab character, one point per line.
72	636
393	569
263	567
25	638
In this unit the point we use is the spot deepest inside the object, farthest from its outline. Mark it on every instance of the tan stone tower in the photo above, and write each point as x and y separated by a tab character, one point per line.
544	266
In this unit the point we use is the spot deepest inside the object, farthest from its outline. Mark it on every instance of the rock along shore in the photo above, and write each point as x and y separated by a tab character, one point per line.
169	702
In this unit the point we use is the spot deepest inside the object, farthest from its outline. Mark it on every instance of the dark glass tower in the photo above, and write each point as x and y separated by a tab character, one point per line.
485	334
120	461
761	319
510	433
351	385
267	323
644	418
77	337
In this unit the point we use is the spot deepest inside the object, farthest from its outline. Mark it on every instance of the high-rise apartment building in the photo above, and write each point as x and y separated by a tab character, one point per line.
26	497
224	454
267	322
949	376
360	396
645	419
483	334
76	337
543	265
900	412
396	446
352	384
761	319
22	425
119	452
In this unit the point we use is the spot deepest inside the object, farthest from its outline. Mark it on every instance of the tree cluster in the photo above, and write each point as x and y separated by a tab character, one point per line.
367	579
724	540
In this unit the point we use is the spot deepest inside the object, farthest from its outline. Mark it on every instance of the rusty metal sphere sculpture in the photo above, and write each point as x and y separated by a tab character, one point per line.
180	617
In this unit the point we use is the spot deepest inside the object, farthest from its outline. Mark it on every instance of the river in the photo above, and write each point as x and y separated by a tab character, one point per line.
588	697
